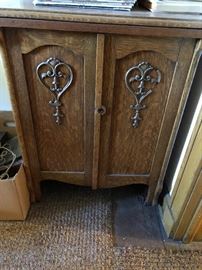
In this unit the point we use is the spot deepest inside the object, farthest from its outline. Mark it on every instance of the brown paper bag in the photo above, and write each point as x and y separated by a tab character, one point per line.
14	197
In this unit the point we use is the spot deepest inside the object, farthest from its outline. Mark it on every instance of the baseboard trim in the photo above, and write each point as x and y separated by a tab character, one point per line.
166	215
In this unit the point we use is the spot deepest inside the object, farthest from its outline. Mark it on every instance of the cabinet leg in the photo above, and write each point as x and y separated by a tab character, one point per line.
151	199
35	193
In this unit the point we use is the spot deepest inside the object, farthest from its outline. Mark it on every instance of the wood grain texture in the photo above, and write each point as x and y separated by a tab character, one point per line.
118	180
115	28
125	150
75	178
78	43
60	148
132	150
98	104
68	147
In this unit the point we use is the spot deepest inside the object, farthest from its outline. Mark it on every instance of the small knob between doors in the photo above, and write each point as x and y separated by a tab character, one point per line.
101	110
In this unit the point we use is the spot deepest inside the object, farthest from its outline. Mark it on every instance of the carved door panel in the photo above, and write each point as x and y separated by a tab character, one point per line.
58	70
143	83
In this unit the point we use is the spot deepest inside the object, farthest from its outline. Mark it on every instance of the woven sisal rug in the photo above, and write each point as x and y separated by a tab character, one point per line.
71	228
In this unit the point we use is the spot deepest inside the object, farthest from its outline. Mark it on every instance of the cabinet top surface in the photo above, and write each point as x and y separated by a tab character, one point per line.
24	9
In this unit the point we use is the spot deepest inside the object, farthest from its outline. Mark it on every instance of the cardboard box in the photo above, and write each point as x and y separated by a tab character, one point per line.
14	197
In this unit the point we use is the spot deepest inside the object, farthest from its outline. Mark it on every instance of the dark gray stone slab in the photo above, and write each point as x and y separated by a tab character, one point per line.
134	223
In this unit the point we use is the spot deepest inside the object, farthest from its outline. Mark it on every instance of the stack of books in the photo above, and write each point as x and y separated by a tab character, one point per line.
174	6
123	5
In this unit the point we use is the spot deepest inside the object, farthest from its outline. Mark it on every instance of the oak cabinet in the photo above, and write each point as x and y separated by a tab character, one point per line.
97	109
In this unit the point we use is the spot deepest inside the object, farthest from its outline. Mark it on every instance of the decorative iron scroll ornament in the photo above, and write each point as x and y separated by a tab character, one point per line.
142	73
57	76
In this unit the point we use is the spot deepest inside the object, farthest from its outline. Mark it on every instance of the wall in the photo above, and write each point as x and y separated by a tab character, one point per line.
5	104
181	211
192	101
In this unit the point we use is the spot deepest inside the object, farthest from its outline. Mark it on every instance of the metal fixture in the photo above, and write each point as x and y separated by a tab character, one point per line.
143	74
57	77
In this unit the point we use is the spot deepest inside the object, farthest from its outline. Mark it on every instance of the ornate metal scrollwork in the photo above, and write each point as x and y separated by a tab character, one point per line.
142	73
57	77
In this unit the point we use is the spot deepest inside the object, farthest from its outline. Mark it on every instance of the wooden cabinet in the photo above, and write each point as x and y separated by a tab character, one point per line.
116	98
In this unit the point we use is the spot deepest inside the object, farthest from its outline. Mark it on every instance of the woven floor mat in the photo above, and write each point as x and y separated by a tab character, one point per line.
71	228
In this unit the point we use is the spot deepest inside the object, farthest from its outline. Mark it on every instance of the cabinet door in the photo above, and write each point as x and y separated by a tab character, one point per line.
54	77
143	83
